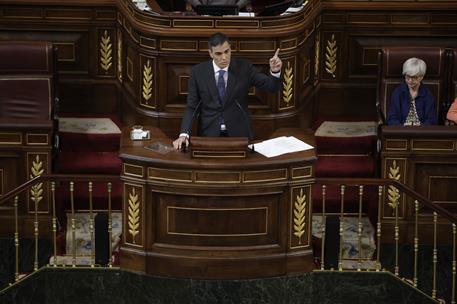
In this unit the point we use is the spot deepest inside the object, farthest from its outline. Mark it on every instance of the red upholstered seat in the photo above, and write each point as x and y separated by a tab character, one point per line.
345	166
89	162
80	142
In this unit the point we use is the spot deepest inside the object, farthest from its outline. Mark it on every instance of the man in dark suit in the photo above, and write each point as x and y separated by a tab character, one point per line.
218	92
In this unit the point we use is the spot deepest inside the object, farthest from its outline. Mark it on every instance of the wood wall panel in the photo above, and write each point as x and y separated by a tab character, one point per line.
360	29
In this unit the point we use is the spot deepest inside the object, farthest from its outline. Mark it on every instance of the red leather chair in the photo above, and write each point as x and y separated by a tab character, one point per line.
390	65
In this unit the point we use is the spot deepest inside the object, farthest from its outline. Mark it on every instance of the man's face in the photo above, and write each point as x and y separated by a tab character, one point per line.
221	54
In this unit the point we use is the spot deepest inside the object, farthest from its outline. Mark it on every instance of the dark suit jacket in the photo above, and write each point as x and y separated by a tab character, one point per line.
203	98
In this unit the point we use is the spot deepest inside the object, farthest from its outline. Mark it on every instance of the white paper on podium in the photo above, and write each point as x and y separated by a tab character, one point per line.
281	145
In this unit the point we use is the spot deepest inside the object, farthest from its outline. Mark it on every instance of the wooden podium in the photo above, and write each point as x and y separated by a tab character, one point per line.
225	218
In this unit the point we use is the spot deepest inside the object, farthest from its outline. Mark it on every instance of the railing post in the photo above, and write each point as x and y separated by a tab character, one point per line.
340	257
110	228
91	228
359	229
54	222
16	238
378	229
73	225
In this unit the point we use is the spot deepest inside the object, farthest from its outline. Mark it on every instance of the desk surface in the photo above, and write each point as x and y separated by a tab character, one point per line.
135	151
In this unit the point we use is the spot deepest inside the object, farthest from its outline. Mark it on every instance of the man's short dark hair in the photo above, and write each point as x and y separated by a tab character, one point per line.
217	39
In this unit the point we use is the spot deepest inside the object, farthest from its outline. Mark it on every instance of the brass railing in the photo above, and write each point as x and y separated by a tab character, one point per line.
11	201
392	198
394	195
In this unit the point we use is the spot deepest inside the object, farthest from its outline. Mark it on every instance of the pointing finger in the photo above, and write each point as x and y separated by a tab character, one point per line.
276	53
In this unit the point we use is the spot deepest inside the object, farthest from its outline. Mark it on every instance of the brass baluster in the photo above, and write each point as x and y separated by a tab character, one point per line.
359	229
454	263
340	258
54	222
91	228
36	232
416	240
396	238
323	222
110	228
73	225
435	253
16	238
378	230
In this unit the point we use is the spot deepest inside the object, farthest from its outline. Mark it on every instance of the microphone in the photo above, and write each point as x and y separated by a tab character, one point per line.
247	121
189	129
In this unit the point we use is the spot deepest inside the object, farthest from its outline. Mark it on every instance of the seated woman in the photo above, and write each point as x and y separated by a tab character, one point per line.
452	112
412	103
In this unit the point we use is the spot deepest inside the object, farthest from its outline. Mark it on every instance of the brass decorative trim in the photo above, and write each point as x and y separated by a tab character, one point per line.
402	143
450	143
218	154
169	175
299	215
331	52
166	45
36	191
106	50
393	194
120	67
246	23
219	177
147	81
302	172
178	23
264	232
133	214
402	174
281	175
34	139
288	86
131	170
16	138
148	43
299	212
256	46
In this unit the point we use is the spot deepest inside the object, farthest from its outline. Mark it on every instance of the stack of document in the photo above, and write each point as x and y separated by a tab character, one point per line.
281	145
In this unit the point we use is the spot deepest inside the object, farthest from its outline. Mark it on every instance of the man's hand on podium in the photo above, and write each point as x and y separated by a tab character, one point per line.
181	142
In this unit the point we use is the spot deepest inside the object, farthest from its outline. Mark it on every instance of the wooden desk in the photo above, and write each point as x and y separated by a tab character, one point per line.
222	218
424	158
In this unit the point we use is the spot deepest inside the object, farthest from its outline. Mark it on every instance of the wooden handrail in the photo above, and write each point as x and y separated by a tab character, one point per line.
56	177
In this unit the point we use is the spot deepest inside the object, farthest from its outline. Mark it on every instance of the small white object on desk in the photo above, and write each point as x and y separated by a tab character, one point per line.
138	133
246	14
281	145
